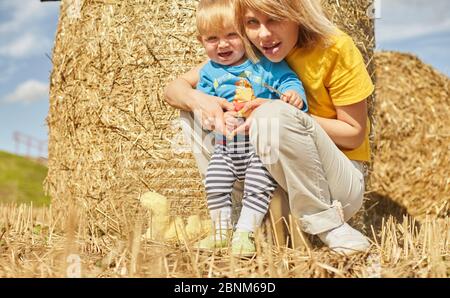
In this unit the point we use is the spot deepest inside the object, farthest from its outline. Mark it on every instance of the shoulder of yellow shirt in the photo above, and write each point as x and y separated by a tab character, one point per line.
340	41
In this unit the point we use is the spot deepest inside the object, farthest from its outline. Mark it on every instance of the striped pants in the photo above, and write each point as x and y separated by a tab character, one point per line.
237	160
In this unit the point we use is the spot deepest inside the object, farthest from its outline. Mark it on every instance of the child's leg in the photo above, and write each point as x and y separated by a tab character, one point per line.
202	146
219	185
258	189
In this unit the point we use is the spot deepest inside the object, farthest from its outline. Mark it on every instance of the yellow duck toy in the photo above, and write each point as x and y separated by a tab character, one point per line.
166	228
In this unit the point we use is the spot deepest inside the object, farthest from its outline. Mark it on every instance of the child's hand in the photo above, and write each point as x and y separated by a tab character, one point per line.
293	98
231	121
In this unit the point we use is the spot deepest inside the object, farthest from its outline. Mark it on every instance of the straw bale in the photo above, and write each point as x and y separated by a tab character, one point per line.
111	134
412	163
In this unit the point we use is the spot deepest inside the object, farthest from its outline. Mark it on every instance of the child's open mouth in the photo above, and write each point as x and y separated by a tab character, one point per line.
271	49
226	54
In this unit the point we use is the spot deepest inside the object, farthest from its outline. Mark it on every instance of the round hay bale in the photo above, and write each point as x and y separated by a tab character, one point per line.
112	137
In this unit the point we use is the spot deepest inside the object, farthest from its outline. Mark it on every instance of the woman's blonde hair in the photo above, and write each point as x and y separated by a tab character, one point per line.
314	25
214	16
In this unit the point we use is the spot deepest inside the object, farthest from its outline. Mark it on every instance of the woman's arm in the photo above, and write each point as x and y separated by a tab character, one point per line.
349	129
181	94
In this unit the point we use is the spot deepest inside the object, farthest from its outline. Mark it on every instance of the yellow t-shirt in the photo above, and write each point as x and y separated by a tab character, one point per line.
334	76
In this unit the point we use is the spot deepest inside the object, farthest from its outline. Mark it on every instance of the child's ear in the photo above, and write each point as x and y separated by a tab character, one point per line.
199	38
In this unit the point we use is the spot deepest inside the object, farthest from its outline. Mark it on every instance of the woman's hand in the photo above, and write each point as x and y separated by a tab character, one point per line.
249	107
231	120
209	111
293	98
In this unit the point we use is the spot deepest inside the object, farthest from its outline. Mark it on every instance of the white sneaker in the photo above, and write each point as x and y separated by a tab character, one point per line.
344	239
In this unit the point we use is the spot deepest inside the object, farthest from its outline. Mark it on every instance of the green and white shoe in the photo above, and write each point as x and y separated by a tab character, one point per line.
214	241
243	244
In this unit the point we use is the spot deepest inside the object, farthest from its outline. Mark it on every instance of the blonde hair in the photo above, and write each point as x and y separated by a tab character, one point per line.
315	28
215	16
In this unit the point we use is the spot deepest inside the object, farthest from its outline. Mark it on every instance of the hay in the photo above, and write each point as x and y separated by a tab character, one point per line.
110	130
34	242
111	134
412	163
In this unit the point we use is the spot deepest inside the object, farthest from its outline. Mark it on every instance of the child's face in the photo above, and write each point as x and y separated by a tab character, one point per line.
224	48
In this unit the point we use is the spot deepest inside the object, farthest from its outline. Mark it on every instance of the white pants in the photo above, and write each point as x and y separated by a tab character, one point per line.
324	188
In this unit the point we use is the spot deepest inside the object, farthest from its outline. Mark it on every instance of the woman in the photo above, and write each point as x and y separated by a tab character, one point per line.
316	159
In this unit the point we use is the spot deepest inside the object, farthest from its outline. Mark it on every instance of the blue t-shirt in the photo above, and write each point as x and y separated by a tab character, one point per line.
220	80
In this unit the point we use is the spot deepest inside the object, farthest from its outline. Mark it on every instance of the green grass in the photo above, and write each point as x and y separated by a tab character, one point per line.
21	180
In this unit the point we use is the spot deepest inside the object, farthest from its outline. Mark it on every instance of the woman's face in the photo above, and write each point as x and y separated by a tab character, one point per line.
273	38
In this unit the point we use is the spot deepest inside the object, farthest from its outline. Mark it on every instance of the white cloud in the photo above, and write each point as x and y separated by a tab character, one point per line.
407	31
421	27
408	19
26	45
21	28
27	92
22	13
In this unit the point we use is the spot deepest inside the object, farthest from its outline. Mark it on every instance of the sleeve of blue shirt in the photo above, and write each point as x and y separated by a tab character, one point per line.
288	80
206	83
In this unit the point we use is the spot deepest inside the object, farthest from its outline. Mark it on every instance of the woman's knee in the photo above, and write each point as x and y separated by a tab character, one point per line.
275	110
275	121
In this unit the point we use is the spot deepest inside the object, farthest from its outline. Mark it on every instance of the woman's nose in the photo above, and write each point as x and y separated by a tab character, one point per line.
264	32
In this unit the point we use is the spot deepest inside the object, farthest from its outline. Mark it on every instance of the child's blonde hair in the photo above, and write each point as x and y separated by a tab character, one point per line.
314	26
215	16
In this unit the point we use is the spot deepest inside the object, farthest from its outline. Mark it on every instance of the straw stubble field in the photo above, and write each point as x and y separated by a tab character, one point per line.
44	243
110	142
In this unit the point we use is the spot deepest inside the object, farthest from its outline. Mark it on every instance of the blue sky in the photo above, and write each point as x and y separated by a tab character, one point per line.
27	32
421	27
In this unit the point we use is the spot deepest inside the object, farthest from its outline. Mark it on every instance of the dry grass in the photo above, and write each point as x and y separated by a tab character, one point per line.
37	243
412	159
